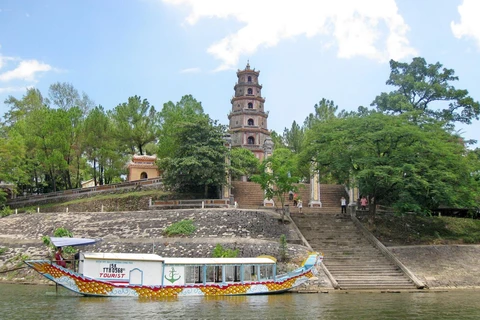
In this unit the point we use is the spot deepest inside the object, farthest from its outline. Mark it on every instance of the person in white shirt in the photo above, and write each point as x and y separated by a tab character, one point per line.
343	204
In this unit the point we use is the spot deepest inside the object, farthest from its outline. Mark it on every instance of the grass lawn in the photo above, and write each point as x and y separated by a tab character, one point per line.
414	230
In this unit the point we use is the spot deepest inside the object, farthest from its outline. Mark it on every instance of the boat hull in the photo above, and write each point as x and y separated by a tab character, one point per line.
91	287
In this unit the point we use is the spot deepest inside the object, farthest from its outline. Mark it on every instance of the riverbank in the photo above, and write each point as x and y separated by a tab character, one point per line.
253	232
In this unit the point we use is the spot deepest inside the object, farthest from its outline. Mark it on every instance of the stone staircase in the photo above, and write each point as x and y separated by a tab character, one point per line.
250	195
351	259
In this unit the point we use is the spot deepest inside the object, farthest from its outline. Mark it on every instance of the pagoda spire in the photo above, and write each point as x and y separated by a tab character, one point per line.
248	119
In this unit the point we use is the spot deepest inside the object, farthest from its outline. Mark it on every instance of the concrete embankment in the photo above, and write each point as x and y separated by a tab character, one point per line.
253	233
443	266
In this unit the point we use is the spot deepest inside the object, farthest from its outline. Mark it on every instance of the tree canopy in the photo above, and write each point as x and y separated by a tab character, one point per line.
394	161
135	124
171	117
427	89
278	175
243	163
199	162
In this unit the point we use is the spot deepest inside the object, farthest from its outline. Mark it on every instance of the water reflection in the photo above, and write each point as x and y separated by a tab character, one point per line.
41	302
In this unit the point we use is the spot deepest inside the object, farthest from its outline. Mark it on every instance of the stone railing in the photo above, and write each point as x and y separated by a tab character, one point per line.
101	188
185	204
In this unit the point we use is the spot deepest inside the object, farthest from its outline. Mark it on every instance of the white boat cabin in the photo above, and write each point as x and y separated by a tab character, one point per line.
153	270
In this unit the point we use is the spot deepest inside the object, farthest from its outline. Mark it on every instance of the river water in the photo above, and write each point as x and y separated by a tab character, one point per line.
42	302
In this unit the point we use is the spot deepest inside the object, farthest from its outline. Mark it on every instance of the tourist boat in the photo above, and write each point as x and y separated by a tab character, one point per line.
150	275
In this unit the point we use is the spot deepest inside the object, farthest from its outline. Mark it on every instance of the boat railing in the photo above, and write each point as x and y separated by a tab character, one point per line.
290	274
71	264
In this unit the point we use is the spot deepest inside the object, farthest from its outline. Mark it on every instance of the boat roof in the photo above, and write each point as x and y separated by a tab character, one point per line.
175	261
216	261
65	241
122	256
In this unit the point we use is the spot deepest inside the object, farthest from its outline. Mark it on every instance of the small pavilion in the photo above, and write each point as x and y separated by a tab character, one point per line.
143	167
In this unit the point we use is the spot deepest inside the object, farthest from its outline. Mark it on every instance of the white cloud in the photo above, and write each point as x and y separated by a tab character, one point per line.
26	70
4	60
469	25
12	89
369	28
190	70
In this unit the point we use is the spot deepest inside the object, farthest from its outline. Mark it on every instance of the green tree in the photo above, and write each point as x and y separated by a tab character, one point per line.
243	163
135	124
65	96
277	140
102	150
395	162
19	109
75	139
199	161
294	137
172	116
324	111
278	175
427	90
49	129
12	155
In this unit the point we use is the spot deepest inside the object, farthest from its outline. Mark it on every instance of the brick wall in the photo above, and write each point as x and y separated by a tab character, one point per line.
250	195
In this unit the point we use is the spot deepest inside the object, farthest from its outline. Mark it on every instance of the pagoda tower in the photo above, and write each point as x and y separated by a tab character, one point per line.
248	120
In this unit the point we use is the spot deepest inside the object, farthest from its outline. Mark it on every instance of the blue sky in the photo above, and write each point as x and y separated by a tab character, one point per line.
306	50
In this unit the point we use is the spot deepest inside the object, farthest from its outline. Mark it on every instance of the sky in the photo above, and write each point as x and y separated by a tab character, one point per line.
305	50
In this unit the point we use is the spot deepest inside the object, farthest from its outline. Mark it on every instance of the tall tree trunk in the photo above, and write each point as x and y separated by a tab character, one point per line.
95	171
69	180
53	178
101	174
78	184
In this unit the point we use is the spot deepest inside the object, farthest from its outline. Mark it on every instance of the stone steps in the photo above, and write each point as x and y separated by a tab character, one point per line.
349	257
250	196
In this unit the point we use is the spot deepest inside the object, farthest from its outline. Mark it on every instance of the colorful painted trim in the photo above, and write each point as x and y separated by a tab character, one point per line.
90	287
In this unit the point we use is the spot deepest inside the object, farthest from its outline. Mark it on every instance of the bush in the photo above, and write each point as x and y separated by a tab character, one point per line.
59	232
183	227
62	232
221	252
30	210
6	211
469	239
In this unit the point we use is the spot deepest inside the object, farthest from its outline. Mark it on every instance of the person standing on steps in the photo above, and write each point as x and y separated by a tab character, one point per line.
299	205
343	204
363	203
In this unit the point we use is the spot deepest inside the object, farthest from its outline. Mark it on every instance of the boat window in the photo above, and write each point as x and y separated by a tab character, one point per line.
266	272
218	274
232	273
193	274
249	273
214	274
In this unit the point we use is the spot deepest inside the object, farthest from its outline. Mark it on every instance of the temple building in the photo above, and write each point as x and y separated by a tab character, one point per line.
248	120
142	167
